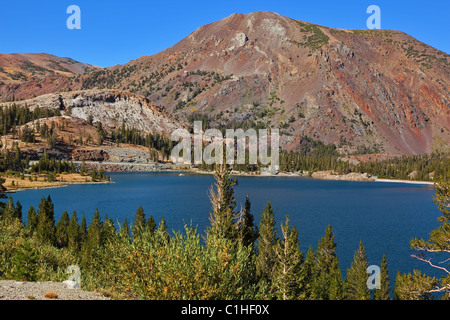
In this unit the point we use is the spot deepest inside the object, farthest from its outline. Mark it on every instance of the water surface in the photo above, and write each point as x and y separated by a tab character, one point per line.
385	216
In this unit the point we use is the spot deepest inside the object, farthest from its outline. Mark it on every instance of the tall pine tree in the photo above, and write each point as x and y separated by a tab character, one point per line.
355	285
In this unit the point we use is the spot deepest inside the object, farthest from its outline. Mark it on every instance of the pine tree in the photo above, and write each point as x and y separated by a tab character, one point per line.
83	230
125	230
222	217
90	248
355	285
2	192
139	223
150	226
288	264
31	220
163	231
248	232
25	263
436	247
327	279
306	275
384	292
18	211
73	234
108	230
45	229
266	256
62	238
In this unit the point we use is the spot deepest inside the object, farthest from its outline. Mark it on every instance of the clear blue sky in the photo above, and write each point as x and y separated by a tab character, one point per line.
115	32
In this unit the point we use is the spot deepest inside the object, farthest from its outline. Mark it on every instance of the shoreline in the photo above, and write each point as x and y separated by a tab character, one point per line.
319	175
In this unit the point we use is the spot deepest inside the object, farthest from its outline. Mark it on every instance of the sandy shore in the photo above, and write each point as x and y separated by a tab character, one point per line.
405	181
14	184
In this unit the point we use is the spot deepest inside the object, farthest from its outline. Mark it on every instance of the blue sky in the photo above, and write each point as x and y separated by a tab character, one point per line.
115	32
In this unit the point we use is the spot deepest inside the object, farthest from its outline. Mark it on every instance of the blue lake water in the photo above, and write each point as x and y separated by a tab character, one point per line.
385	216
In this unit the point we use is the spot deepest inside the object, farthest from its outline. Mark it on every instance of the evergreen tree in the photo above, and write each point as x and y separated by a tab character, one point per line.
288	264
163	231
90	248
45	229
73	234
355	285
62	238
25	263
436	247
83	230
266	256
306	275
384	292
222	217
2	192
108	231
139	222
125	230
18	211
150	226
31	220
248	232
327	278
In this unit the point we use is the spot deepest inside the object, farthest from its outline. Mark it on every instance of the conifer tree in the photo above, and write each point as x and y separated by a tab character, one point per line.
222	217
355	285
150	225
266	256
61	231
248	232
125	230
327	279
139	223
163	231
25	263
31	220
45	229
2	192
93	241
289	260
306	275
108	229
83	230
436	247
73	233
384	292
18	211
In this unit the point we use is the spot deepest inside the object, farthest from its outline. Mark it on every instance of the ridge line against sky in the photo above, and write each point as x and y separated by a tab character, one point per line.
116	32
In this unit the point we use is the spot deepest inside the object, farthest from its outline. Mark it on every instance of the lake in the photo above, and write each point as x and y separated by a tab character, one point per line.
385	216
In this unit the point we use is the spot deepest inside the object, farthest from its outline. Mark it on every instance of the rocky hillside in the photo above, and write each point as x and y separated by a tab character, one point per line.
372	91
110	107
33	74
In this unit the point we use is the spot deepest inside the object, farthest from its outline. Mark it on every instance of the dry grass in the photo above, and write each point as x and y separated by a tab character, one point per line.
62	179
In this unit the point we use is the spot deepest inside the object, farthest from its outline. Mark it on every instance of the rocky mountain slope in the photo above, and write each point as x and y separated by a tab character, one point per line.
110	107
33	74
372	91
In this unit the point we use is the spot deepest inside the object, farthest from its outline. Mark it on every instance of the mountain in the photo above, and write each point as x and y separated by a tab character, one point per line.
378	91
33	74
